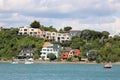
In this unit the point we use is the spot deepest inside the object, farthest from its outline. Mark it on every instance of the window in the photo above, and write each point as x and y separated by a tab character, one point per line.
51	50
67	37
59	34
63	38
44	53
44	49
32	29
53	33
25	29
47	49
30	32
20	33
25	32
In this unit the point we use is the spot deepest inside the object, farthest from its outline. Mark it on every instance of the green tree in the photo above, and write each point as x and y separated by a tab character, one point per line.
51	56
105	34
35	24
92	55
68	28
61	31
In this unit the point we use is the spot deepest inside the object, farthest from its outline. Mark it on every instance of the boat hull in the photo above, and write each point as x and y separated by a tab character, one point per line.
108	66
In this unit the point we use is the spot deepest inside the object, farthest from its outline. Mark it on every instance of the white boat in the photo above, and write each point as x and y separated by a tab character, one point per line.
28	62
107	66
14	62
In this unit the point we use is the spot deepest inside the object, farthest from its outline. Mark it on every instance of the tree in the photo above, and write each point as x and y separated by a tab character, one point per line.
92	55
35	24
105	34
51	56
68	28
61	31
52	29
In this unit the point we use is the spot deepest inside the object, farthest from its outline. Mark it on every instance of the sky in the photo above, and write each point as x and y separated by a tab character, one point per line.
99	15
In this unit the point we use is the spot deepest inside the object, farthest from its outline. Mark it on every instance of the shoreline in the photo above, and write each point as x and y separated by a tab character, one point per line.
59	62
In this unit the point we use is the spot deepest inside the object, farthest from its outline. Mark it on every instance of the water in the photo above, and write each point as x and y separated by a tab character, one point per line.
58	72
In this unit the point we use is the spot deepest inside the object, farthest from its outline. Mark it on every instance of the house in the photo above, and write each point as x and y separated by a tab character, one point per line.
30	31
52	48
65	54
70	53
52	36
26	53
62	37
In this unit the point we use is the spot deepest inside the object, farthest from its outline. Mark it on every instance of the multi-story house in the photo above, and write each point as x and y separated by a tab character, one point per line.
30	31
26	53
53	36
70	53
52	48
62	37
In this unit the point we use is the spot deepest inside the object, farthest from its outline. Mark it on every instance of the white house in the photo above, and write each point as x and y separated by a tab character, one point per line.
30	31
62	37
53	48
53	36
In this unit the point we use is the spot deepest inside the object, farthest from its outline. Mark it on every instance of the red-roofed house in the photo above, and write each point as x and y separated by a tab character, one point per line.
70	53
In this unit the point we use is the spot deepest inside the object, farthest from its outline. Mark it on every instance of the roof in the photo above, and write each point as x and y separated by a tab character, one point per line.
46	44
54	46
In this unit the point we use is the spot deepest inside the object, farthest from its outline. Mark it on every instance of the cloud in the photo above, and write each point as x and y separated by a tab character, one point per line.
81	14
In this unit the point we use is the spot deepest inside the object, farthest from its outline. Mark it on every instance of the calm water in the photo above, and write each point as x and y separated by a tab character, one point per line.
58	72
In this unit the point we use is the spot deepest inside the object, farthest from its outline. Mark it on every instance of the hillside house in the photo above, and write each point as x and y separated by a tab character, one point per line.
52	48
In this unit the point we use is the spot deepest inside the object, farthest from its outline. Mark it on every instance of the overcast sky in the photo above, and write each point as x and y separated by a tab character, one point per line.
100	15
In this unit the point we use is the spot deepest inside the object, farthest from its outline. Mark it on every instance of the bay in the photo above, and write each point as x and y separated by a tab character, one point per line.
58	72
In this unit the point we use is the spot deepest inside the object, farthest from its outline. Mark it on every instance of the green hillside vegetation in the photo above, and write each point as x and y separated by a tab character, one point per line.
11	44
100	47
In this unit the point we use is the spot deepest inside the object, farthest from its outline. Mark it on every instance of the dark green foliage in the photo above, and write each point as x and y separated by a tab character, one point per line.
35	24
61	31
50	28
51	56
68	28
11	43
92	55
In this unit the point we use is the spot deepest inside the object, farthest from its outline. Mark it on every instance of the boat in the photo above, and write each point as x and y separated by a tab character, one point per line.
28	62
14	62
107	66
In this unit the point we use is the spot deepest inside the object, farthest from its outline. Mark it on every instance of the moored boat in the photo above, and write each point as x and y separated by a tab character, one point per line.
29	61
107	66
14	62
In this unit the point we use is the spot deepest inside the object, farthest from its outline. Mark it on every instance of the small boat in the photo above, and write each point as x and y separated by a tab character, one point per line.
107	66
14	62
28	62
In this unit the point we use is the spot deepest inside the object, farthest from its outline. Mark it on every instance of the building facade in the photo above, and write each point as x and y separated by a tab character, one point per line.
52	36
30	31
52	48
